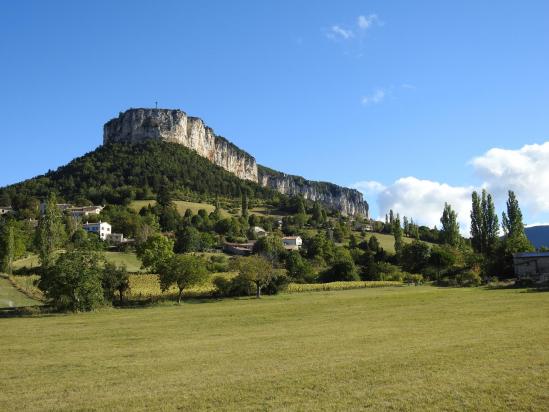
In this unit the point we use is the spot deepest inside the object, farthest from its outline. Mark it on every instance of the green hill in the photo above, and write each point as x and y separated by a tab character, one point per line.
120	173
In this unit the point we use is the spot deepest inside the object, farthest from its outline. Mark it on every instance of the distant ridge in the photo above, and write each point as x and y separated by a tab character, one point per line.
538	235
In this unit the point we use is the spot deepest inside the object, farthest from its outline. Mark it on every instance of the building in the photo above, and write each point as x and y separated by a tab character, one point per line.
61	206
102	229
242	249
84	211
116	238
259	232
532	266
4	210
292	242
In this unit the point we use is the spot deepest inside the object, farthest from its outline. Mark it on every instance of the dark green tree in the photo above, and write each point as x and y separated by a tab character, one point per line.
450	226
116	279
397	233
187	240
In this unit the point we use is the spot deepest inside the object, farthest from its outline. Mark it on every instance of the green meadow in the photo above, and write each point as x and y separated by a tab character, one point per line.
397	348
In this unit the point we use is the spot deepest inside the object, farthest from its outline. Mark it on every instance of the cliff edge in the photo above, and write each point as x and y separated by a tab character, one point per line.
139	125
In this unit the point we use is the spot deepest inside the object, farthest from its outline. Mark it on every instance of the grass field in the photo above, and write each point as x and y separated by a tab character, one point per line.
407	348
129	259
11	297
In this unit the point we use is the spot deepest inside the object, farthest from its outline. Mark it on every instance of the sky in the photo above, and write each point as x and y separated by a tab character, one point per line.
413	103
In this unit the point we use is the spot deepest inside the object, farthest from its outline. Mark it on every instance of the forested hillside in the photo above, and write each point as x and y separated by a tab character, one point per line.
120	173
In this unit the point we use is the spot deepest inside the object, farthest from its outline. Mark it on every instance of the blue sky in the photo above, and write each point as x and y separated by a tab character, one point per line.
396	98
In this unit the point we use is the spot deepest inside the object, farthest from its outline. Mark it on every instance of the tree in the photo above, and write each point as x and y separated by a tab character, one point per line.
245	204
476	224
74	281
184	271
450	226
50	232
373	244
397	233
298	268
115	279
512	221
515	239
12	244
415	256
490	224
270	247
343	268
156	250
257	270
442	257
187	240
484	224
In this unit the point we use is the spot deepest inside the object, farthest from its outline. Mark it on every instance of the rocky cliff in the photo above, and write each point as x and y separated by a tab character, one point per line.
138	125
348	201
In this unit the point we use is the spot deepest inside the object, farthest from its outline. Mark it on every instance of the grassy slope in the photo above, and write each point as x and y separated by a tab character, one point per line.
129	259
11	297
408	348
181	205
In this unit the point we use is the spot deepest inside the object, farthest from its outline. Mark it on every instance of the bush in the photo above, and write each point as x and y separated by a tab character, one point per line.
469	278
414	279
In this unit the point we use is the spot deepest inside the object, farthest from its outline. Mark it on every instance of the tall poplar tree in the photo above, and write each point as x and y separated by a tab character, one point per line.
450	226
397	233
490	224
50	233
476	223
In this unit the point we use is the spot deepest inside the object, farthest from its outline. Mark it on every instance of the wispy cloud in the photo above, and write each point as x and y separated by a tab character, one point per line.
375	98
337	32
366	22
348	32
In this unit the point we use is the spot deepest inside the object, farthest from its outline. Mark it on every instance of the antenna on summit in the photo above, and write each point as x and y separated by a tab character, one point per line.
156	105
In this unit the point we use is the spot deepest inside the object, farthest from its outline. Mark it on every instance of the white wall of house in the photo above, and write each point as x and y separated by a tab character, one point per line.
103	229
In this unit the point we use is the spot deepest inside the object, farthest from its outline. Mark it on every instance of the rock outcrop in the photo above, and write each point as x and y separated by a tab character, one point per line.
138	125
347	201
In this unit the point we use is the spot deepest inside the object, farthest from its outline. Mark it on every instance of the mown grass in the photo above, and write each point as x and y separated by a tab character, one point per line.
416	348
10	297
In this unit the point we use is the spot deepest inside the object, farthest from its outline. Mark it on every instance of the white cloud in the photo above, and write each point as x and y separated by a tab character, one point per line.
337	32
365	22
376	97
524	170
369	187
422	200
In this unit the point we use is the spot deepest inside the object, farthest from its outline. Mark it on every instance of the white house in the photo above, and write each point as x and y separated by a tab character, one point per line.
84	211
259	231
292	242
103	229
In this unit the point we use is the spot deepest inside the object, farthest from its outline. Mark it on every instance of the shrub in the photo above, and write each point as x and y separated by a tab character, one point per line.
468	278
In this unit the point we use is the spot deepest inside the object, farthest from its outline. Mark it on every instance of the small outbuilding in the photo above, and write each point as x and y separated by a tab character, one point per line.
532	266
292	242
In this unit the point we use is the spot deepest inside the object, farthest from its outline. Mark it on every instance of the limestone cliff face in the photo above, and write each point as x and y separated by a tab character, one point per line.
138	125
347	201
